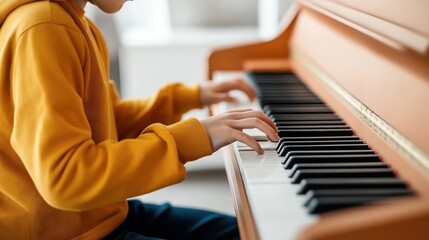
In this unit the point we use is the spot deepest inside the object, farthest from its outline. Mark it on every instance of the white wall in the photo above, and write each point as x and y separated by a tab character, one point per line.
204	13
176	47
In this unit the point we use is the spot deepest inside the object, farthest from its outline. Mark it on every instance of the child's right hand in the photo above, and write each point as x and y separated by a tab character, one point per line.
226	128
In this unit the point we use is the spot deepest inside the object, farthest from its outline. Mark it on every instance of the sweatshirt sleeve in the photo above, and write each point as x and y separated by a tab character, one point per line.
166	107
52	135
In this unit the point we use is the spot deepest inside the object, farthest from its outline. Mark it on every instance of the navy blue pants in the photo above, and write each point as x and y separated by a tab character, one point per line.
150	222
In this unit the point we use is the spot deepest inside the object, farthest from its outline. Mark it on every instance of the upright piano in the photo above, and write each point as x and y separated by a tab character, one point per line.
347	84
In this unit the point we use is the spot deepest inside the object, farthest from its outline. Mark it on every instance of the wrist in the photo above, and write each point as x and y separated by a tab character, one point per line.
202	95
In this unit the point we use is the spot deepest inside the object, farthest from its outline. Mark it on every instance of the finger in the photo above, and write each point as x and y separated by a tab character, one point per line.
246	88
239	84
230	99
258	114
226	98
240	110
256	123
248	140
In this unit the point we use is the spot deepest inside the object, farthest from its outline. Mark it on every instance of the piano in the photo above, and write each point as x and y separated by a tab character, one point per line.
347	84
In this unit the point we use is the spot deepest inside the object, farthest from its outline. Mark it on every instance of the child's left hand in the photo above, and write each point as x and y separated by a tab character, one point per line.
215	92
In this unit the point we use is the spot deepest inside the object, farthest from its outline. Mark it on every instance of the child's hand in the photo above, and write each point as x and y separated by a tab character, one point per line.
226	128
215	92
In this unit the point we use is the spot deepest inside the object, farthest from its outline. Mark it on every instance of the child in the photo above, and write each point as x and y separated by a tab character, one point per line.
72	152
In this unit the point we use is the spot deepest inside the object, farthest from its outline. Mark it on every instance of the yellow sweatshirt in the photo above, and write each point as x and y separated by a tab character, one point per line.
71	152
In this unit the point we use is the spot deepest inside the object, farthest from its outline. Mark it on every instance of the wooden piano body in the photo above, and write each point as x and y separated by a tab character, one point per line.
369	61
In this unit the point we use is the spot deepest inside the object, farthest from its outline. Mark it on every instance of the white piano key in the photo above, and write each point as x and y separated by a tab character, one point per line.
256	134
257	164
266	145
267	156
258	176
242	104
277	210
262	167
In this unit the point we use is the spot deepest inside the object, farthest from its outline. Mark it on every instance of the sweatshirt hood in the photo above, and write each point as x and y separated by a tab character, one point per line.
7	6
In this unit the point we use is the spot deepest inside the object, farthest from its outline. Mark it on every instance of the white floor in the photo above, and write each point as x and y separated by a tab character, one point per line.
206	187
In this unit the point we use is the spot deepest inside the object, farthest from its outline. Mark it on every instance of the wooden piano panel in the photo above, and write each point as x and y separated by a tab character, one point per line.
393	84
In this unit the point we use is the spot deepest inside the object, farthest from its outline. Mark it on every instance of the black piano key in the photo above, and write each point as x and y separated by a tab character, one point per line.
289	94
358	192
288	148
274	101
278	84
340	193
279	107
336	166
318	138
298	105
270	78
303	143
325	204
289	88
390	192
280	91
304	127
330	159
305	117
314	132
304	123
342	173
292	110
278	87
326	152
271	82
301	116
359	183
319	142
266	86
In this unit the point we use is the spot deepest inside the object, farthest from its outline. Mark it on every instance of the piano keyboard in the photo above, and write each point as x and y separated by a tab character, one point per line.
331	165
318	166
